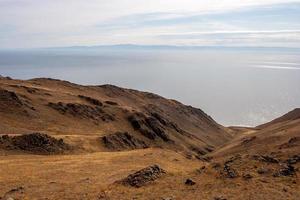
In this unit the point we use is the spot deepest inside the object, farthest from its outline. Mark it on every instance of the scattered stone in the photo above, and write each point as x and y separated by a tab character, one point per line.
34	142
122	141
229	172
143	176
189	182
293	160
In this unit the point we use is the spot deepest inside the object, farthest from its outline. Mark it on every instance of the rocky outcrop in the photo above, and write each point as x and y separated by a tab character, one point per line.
143	176
94	113
228	170
123	141
265	158
91	100
35	142
112	103
248	140
8	98
285	170
148	127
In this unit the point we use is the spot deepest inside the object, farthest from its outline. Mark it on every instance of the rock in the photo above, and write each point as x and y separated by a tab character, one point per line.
94	113
285	170
34	142
5	77
248	140
122	141
293	160
91	100
267	159
9	99
18	189
189	182
200	152
229	172
143	176
148	127
166	122
111	103
204	158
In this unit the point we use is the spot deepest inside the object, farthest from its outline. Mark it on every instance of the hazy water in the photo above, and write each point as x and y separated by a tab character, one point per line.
235	88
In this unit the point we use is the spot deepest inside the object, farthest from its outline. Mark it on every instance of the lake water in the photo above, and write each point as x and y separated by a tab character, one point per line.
234	87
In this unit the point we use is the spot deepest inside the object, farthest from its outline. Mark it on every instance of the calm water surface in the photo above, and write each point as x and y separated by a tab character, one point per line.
235	88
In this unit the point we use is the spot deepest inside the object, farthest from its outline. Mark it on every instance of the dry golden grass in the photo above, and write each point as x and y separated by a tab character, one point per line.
90	171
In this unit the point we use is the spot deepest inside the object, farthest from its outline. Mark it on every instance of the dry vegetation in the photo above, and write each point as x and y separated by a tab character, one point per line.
105	142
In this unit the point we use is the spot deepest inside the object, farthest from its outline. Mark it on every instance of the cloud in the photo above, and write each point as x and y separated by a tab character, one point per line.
276	67
33	23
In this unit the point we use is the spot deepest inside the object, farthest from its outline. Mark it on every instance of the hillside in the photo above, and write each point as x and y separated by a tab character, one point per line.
60	140
290	116
121	118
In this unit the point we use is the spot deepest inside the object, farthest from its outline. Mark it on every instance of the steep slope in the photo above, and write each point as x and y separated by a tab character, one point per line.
119	117
292	115
280	135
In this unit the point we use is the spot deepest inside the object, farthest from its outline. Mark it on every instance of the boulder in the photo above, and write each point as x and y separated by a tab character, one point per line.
143	176
189	182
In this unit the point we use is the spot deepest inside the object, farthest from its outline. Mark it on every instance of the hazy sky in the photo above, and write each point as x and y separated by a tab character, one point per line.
46	23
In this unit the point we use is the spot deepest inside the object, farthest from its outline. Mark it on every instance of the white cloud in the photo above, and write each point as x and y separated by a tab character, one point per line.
74	22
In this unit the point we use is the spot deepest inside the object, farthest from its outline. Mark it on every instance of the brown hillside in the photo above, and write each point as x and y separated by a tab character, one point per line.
67	110
292	115
59	140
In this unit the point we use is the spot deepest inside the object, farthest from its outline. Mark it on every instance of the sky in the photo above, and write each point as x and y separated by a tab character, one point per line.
55	23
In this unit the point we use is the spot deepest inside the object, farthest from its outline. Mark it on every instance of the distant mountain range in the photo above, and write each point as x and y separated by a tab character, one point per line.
170	47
